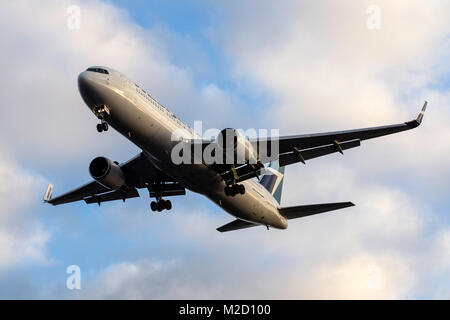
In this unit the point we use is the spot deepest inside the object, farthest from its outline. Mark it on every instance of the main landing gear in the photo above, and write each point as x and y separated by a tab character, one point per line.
103	126
234	189
156	190
160	205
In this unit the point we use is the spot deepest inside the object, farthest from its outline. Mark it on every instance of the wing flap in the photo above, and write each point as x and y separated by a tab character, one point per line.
111	196
302	155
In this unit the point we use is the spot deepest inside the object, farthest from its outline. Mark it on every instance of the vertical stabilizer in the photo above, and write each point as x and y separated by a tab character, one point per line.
273	179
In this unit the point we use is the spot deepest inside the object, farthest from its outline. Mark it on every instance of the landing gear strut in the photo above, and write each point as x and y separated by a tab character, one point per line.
100	112
160	205
234	189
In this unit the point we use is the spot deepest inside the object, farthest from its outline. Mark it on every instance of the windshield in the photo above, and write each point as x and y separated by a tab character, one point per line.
99	70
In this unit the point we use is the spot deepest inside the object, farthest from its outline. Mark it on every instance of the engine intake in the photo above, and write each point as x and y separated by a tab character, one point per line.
236	147
107	173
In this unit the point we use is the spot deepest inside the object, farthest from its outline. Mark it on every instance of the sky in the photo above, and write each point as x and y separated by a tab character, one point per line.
298	66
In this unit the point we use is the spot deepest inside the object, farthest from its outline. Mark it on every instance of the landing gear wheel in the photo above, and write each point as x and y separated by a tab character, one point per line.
105	126
236	189
99	127
161	205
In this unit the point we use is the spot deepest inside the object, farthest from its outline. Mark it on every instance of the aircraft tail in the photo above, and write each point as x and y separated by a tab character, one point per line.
289	213
273	179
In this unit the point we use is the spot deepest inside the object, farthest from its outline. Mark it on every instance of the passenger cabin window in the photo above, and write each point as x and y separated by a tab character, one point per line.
99	70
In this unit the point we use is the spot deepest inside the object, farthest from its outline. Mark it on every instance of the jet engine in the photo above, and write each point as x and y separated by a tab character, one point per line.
237	149
107	173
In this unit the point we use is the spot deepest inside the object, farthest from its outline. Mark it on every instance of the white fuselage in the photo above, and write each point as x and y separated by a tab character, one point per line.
150	126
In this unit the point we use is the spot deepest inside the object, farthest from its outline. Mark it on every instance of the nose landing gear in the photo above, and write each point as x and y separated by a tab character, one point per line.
158	190
101	112
234	189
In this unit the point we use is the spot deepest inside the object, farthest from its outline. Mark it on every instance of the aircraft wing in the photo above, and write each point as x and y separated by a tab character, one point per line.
299	148
139	173
300	143
89	189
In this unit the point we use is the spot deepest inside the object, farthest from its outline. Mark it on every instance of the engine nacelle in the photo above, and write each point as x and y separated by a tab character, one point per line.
236	147
107	173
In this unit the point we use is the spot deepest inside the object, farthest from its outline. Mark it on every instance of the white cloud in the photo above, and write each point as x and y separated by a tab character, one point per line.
125	280
325	71
41	62
377	250
358	278
22	236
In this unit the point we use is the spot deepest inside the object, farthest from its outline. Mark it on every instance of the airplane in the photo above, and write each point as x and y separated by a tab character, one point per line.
248	190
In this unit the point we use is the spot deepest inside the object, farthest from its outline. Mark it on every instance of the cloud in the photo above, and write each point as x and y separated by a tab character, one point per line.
47	124
378	250
347	254
323	70
22	236
43	58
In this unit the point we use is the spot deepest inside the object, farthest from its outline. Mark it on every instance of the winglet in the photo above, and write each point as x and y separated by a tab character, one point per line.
416	122
420	116
48	193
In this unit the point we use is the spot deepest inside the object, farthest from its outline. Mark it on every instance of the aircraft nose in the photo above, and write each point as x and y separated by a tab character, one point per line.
86	86
84	81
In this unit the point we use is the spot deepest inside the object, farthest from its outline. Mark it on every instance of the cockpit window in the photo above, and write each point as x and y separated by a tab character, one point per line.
99	70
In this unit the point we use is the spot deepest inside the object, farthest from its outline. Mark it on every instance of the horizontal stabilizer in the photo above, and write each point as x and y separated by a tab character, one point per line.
308	210
236	225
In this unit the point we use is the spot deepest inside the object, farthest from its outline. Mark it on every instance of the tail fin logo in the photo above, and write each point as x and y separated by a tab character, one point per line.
273	180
